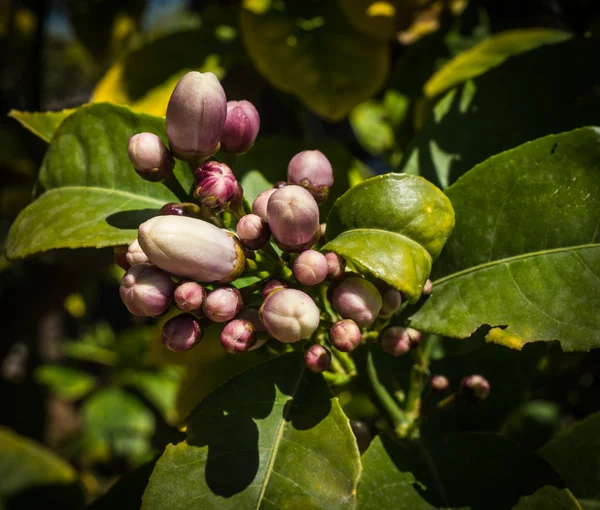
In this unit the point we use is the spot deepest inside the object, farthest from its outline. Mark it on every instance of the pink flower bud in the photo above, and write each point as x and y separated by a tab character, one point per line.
310	268
259	207
391	299
272	285
293	218
416	337
189	296
150	158
146	290
241	127
222	304
336	266
474	388
395	341
312	170
120	257
290	315
253	231
215	185
428	287
135	255
439	383
192	248
238	336
251	314
357	299
181	333
196	116
345	335
182	209
317	358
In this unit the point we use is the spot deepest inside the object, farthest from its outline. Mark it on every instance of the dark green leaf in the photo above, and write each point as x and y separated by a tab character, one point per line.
272	437
66	383
549	498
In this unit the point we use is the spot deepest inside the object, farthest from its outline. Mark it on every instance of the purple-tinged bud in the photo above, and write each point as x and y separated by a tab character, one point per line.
253	231
120	257
391	299
280	184
311	170
182	209
135	255
215	185
357	299
336	266
271	285
150	157
251	314
192	248
317	358
259	206
290	315
196	116
345	335
189	296
181	333
293	217
146	290
310	268
222	304
238	336
416	337
241	127
395	341
474	388
428	287
439	383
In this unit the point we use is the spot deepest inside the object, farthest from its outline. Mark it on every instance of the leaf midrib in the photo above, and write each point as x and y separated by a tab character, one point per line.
157	201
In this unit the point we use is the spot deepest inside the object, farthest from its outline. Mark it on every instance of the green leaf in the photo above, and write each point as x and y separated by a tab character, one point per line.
574	454
489	54
549	498
272	437
524	254
91	196
310	50
66	383
374	133
35	477
469	470
41	124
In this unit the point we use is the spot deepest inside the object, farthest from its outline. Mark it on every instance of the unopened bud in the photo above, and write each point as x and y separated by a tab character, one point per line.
196	116
216	185
317	358
189	296
336	266
253	231
120	257
416	337
150	157
182	209
395	341
135	255
146	290
181	333
259	206
439	383
290	315
272	285
293	218
310	268
192	248
241	127
428	287
357	299
312	170
391	299
345	335
222	304
474	388
238	336
251	314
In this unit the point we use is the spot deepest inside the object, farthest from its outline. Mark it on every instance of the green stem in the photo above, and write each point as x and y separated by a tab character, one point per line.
269	251
327	305
346	361
177	189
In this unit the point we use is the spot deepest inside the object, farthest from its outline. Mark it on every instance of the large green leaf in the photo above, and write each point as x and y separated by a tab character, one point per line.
574	454
41	124
272	437
91	196
309	49
477	471
525	252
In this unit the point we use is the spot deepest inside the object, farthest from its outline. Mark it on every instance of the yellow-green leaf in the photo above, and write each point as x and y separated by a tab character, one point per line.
41	124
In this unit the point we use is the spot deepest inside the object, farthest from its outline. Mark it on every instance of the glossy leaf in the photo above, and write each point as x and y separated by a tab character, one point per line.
549	498
489	54
310	50
66	383
272	437
41	124
92	196
524	254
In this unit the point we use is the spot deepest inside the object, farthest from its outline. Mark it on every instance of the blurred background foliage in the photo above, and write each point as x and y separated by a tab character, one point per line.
379	86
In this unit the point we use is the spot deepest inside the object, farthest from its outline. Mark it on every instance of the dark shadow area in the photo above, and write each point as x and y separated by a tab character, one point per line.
130	219
51	497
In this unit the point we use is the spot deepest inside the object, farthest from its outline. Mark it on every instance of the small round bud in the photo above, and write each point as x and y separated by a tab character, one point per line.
395	341
146	290
135	255
222	304
241	127
345	335
196	116
253	231
416	337
181	333
317	358
391	299
238	336
290	315
120	257
251	314
271	285
336	266
439	383
182	209
428	287
293	217
357	299
259	206
312	170
189	296
215	185
150	157
310	268
474	388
